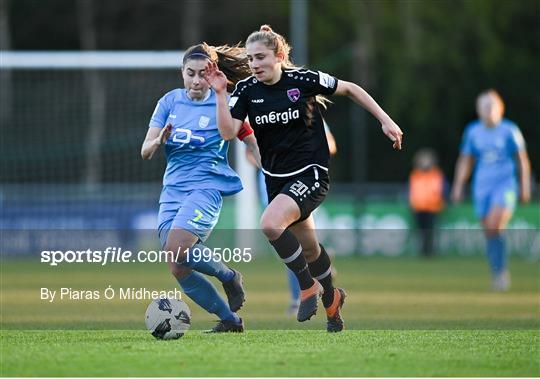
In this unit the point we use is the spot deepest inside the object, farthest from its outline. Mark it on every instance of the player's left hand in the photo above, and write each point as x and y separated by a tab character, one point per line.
393	132
214	77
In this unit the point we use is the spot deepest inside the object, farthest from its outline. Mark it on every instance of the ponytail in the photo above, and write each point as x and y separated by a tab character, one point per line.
231	60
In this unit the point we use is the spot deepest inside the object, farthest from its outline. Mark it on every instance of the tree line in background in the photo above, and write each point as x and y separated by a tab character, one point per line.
424	61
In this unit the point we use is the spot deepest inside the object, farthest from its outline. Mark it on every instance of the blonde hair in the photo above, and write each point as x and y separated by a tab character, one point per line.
279	45
275	42
492	94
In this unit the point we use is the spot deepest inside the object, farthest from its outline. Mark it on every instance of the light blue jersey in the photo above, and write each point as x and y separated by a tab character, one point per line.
196	153
196	178
494	150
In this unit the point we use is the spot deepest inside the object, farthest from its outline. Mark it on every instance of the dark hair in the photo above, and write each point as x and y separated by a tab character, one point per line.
197	52
231	60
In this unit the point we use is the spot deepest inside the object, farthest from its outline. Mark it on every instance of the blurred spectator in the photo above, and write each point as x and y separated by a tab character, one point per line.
426	196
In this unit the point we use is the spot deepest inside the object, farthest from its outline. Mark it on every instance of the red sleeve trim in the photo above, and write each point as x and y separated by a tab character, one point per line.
244	131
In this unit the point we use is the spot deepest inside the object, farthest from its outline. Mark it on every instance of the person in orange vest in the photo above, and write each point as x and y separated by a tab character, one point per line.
426	196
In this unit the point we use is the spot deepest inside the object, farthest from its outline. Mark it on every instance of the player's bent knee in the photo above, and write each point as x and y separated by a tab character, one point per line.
493	228
272	233
492	232
311	254
176	252
179	272
271	229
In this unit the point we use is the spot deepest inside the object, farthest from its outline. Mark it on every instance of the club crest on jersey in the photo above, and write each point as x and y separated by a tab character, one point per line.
293	94
204	121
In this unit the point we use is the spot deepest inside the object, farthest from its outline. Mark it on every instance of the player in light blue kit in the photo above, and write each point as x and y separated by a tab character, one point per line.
196	178
492	144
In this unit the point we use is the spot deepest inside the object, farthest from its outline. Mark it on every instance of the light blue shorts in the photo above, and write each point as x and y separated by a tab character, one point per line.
195	211
504	196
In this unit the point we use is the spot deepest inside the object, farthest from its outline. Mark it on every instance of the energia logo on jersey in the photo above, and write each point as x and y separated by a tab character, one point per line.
275	117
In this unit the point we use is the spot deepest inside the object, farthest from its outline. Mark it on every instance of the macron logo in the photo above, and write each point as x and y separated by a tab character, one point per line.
257	101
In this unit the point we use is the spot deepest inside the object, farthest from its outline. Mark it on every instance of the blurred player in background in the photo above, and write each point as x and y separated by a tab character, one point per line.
196	178
426	196
283	107
490	145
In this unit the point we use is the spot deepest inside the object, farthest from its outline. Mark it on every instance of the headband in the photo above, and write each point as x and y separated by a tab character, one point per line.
196	54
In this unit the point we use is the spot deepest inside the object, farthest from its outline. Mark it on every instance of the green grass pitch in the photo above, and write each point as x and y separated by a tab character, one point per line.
405	317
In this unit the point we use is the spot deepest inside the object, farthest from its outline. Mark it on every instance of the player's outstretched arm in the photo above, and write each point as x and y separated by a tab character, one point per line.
227	125
361	97
525	175
463	171
154	138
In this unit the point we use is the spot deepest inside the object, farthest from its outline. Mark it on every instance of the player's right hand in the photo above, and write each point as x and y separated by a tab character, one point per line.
392	131
165	134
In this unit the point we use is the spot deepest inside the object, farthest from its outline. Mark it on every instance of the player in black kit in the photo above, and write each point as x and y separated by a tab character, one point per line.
282	102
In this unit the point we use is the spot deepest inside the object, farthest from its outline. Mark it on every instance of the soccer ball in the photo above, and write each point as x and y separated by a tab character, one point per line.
168	319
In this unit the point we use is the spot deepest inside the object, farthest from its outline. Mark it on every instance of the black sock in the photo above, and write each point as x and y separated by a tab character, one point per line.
322	271
290	251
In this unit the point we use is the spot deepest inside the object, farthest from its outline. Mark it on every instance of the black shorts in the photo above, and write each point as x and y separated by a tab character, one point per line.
308	189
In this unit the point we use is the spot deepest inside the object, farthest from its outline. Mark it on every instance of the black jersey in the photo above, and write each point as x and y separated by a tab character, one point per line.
289	142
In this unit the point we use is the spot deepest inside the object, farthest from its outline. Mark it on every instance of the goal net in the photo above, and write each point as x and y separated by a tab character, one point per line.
72	127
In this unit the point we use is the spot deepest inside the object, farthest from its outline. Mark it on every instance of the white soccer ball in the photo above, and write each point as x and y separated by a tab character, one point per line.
168	319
